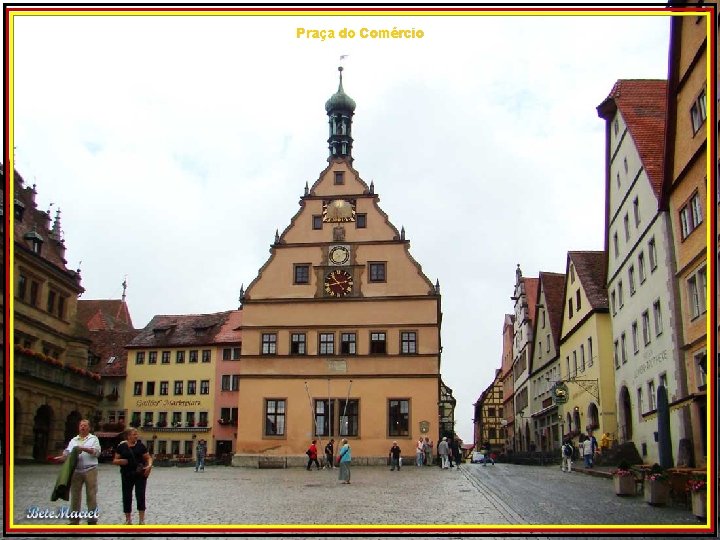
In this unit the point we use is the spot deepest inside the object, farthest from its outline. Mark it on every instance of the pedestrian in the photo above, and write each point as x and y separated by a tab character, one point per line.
200	453
566	451
85	472
428	446
605	442
330	454
344	459
457	452
312	456
443	450
395	456
419	452
587	451
488	454
135	465
595	449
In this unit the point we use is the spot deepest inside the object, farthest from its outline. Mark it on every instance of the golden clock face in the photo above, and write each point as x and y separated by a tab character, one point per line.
338	211
338	283
339	255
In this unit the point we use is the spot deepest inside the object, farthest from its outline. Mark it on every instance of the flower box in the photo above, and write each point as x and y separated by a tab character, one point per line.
624	485
656	492
699	504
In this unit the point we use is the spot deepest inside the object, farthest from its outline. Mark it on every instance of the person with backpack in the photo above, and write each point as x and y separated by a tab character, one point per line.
567	453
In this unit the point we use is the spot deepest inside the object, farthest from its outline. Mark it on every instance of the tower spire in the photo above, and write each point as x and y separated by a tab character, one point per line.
340	109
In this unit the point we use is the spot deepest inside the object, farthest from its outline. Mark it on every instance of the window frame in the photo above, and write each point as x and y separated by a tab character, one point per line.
397	419
298	347
326	344
277	415
375	268
351	348
361	221
408	337
301	274
378	337
268	344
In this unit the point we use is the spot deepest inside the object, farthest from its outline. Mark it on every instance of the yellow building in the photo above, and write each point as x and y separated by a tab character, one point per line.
686	192
341	328
171	382
52	389
586	359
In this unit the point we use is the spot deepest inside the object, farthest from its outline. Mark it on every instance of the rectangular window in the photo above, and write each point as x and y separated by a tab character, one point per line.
148	418
582	357
652	254
575	364
204	387
698	112
297	344
590	352
22	287
347	343
174	447
327	344
612	303
640	404
324	418
176	419
165	357
193	358
164	388
399	418
339	177
203	419
190	419
641	267
231	353
51	302
662	381
269	344
188	448
657	315
621	300
302	274
137	388
631	279
225	383
626	226
623	348
700	360
636	212
150	388
377	343
690	216
577	300
152	357
180	357
697	287
570	308
191	387
616	246
408	343
377	272
547	343
162	419
491	412
349	411
616	355
139	358
646	327
274	417
360	221
178	389
34	292
206	356
234	383
61	307
635	339
651	395
317	222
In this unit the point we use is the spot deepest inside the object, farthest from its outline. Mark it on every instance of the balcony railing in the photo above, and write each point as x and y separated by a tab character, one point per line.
78	380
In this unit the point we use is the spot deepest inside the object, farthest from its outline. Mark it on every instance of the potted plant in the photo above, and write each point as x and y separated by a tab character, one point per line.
697	486
624	480
656	486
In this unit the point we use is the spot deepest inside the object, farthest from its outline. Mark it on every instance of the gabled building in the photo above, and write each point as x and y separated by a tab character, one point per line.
688	199
506	377
586	365
640	275
489	415
171	385
52	388
341	328
545	363
524	296
228	347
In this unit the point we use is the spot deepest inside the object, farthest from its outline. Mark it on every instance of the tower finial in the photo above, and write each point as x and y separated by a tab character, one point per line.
124	286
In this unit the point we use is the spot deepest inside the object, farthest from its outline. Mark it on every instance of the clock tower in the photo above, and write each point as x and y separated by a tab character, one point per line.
341	328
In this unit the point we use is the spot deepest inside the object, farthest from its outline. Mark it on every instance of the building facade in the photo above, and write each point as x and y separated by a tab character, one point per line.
228	347
506	376
641	285
487	420
687	197
341	328
52	388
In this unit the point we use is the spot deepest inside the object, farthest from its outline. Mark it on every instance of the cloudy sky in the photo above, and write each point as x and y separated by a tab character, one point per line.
176	146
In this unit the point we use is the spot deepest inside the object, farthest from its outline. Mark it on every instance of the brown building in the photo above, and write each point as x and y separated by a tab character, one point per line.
488	416
341	328
52	388
686	194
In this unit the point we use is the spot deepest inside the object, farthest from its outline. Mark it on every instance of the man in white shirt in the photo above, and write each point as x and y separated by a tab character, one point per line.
86	472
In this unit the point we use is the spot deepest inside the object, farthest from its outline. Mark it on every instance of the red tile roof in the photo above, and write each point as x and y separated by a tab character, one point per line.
553	285
180	330
104	314
643	105
591	269
109	346
230	331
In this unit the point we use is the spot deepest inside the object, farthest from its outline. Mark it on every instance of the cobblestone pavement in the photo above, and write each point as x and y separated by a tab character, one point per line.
497	495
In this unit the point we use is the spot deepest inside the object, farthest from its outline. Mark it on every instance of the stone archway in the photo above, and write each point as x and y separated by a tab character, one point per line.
593	417
577	428
42	425
71	425
625	416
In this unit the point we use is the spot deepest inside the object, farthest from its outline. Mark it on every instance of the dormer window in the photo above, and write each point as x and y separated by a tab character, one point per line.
19	210
35	241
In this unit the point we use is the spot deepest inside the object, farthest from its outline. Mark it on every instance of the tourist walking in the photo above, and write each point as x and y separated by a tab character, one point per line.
566	451
135	466
428	447
330	454
587	451
395	456
85	472
419	452
344	458
443	450
200	453
312	456
487	453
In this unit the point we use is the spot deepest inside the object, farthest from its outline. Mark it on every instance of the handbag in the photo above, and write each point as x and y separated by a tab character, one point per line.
139	467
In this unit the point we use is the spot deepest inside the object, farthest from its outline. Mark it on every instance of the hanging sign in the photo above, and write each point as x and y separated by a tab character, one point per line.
560	393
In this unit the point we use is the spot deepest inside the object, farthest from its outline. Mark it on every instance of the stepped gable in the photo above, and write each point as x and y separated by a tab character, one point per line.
230	332
104	315
37	222
643	105
180	330
591	268
554	286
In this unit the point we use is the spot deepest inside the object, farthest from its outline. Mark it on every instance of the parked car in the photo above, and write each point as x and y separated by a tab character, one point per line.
477	457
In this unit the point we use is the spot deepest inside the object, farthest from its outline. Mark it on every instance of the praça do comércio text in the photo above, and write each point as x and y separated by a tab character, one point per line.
363	33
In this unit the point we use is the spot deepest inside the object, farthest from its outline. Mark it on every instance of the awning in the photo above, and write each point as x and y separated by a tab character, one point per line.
107	434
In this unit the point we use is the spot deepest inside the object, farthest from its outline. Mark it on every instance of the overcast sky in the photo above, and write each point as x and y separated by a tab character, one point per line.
176	146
